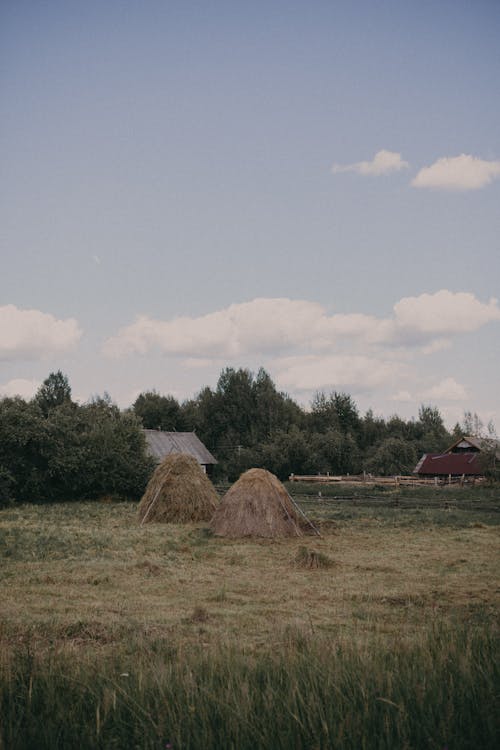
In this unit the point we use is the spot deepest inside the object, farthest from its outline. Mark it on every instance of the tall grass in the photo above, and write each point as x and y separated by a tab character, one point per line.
437	692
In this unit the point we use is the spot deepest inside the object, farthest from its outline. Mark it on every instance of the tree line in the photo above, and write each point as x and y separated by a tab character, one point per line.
52	448
246	421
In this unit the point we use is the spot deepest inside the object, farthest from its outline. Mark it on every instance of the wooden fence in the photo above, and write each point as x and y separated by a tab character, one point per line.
397	481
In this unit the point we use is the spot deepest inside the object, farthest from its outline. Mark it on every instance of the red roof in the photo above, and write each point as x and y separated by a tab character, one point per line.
436	464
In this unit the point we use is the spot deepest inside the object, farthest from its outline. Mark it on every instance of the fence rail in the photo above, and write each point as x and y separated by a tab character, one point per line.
395	481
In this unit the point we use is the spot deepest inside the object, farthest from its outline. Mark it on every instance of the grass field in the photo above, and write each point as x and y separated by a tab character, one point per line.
113	635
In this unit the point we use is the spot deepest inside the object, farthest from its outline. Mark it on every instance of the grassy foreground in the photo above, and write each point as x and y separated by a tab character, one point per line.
437	694
117	636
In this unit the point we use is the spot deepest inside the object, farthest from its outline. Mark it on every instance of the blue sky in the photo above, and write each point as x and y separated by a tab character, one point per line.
311	187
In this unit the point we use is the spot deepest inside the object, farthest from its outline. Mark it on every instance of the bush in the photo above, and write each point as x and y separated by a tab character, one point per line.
7	483
72	452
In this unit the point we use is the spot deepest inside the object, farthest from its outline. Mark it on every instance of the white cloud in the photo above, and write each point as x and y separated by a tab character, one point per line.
383	162
443	313
20	387
199	363
281	326
260	325
464	172
436	345
446	390
32	334
354	373
402	396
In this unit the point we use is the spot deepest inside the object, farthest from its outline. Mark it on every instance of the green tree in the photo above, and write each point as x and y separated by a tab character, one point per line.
432	433
391	457
472	425
335	453
337	411
287	453
323	415
23	436
273	410
373	430
116	458
158	412
73	452
54	391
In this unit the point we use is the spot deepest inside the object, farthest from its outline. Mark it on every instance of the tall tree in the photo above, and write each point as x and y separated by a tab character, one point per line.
337	411
54	391
433	434
472	425
392	456
273	410
158	412
323	415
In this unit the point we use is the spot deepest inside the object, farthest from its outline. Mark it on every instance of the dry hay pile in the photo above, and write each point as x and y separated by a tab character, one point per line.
256	505
178	492
310	559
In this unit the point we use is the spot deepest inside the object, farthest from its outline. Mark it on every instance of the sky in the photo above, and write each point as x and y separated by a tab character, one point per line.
312	188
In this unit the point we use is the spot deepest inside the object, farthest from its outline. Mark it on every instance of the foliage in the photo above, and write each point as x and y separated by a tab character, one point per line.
158	412
7	483
23	435
52	448
490	459
54	391
392	456
334	412
69	452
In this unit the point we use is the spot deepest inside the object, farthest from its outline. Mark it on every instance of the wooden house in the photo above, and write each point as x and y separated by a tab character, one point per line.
161	444
464	458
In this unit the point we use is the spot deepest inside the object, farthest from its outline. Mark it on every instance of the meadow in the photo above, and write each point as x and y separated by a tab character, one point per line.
121	636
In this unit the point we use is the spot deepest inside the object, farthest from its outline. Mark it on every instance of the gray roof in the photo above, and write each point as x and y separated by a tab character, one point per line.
161	444
480	443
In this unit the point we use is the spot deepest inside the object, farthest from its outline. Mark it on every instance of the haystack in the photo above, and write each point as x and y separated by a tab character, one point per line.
256	505
178	492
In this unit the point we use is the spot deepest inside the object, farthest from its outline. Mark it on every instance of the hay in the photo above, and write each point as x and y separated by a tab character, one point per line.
256	505
178	492
310	559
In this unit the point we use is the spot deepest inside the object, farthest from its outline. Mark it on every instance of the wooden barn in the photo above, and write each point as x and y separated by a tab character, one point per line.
464	458
161	444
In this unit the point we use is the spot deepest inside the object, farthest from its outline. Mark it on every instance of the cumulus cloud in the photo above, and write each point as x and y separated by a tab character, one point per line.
281	326
464	172
355	373
446	390
263	325
443	313
20	387
32	334
383	162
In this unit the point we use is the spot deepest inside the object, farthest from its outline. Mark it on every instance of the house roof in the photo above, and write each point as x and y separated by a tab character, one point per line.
443	464
478	443
161	444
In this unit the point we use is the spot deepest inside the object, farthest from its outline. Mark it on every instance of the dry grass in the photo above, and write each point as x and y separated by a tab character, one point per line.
178	492
257	505
310	559
87	574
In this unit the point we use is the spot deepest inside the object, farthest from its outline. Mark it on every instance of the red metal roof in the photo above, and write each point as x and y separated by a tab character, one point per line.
436	464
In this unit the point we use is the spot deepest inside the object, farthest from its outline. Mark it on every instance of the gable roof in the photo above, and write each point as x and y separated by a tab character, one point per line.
443	464
161	444
477	443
